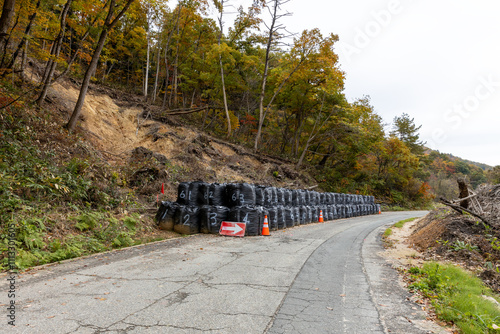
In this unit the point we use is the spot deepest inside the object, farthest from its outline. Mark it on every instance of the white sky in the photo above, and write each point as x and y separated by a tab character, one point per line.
438	61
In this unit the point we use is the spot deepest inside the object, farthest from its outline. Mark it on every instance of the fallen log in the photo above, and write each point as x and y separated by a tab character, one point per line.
461	210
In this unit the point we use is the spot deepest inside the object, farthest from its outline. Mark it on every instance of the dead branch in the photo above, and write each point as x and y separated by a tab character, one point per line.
183	111
463	199
461	210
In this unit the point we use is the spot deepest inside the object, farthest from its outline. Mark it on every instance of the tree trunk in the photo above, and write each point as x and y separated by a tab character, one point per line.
51	65
146	75
7	13
464	192
226	110
155	87
23	40
108	25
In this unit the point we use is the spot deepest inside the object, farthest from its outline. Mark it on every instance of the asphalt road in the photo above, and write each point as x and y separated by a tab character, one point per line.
319	278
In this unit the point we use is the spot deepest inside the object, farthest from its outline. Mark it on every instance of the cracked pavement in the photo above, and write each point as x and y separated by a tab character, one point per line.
319	278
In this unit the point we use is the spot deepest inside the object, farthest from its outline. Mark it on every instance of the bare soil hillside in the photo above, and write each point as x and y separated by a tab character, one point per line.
118	125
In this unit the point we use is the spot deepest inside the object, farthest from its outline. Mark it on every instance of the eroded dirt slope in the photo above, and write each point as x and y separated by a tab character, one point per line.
117	127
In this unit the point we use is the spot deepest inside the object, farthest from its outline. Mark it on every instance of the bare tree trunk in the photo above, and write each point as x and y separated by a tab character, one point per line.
146	75
272	35
108	25
463	193
56	49
224	97
7	13
155	87
23	40
264	76
167	46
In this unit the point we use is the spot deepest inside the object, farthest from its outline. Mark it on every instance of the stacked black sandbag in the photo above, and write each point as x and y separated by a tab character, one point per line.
232	194
331	215
296	215
203	194
252	216
333	212
182	193
240	194
203	206
186	220
274	192
289	218
216	194
211	218
280	210
310	214
303	214
280	197
192	197
247	194
273	218
268	197
165	215
288	197
260	195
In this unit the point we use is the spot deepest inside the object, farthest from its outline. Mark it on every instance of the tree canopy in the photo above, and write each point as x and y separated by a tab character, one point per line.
239	80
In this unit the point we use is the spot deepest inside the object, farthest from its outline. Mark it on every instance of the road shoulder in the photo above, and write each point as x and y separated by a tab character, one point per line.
398	313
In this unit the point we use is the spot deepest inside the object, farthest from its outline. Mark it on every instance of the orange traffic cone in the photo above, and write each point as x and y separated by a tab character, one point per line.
321	216
265	228
379	211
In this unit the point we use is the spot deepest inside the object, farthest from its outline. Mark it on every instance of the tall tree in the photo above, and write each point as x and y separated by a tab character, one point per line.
5	18
110	21
55	50
405	129
273	33
219	4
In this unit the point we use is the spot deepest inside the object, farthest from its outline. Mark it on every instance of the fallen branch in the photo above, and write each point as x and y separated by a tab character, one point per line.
463	199
183	111
461	210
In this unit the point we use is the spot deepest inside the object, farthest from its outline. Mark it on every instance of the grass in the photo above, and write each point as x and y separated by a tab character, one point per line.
457	297
59	199
401	223
387	232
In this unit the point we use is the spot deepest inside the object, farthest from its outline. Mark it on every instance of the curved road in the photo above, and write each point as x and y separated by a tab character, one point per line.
319	278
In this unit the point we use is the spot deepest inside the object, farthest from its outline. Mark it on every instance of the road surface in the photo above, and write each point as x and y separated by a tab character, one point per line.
318	278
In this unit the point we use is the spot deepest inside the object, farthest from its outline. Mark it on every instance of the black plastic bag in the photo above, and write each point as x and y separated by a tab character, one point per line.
251	216
260	195
186	220
211	218
165	215
216	194
203	194
272	218
183	193
281	217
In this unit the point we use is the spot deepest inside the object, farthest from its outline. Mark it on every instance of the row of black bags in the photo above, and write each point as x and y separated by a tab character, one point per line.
187	219
243	194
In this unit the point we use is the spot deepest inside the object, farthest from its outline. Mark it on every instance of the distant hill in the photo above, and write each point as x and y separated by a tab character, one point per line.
452	157
481	165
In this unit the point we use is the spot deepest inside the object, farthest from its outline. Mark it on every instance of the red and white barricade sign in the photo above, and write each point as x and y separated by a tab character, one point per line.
233	229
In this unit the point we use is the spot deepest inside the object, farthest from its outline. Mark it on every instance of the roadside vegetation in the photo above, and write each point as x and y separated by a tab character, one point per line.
458	297
62	200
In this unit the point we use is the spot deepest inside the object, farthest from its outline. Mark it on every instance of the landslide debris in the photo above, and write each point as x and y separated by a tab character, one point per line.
445	234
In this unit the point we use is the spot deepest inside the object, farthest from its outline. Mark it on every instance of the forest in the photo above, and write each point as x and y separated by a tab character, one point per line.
249	81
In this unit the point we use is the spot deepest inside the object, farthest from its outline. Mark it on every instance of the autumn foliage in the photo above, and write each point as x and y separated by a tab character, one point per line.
174	56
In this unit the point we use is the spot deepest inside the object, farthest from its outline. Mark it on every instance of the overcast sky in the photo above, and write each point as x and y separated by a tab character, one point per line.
438	61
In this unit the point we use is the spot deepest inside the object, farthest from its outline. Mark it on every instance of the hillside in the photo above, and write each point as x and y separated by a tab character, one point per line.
122	131
71	194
